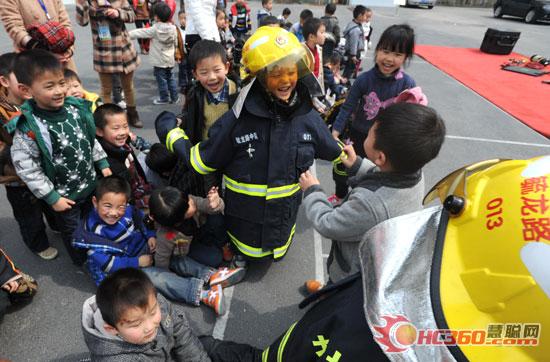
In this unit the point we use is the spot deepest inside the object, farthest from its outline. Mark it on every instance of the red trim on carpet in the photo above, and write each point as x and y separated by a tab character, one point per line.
523	96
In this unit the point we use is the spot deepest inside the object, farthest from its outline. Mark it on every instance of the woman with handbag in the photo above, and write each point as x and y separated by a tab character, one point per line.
18	16
114	51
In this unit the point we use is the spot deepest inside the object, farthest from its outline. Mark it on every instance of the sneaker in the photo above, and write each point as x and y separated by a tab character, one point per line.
177	101
214	299
122	104
334	200
48	254
227	277
159	102
313	286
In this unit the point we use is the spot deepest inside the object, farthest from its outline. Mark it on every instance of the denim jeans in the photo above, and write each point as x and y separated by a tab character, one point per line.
68	221
166	84
207	244
28	211
184	283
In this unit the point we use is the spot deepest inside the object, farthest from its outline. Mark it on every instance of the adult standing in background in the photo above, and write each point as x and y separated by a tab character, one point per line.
18	15
114	51
201	22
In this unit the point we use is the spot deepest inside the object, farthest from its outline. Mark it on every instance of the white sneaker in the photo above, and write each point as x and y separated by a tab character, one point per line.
48	254
122	104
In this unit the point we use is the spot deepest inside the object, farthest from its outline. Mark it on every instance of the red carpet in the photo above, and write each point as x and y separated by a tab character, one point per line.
523	96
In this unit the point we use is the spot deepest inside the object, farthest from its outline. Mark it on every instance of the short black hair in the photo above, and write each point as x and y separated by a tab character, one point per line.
205	49
306	14
398	38
69	74
160	160
269	20
162	11
30	64
335	58
265	1
330	9
311	27
286	11
114	184
105	110
6	63
359	10
182	11
168	205
410	135
125	288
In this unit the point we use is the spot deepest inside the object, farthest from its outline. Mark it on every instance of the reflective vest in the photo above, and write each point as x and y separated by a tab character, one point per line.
261	158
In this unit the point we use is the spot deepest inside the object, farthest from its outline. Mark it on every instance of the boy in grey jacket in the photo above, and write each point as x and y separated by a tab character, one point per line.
355	40
163	49
389	183
127	321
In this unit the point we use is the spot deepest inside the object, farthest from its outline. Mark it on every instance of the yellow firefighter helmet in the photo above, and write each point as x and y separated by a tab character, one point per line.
492	269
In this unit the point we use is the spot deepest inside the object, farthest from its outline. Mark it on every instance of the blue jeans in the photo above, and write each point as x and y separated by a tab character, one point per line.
184	283
166	84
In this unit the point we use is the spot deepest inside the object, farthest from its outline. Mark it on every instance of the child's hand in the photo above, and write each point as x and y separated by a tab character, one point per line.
11	286
106	172
213	198
307	180
335	134
350	154
152	242
63	204
145	261
112	13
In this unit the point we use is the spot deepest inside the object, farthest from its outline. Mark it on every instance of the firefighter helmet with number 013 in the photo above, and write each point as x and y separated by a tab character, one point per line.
491	269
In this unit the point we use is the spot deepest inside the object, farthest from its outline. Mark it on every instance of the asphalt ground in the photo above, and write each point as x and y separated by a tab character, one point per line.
265	304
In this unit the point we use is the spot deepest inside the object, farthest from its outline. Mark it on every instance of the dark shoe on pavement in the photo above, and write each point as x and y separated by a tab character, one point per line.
133	117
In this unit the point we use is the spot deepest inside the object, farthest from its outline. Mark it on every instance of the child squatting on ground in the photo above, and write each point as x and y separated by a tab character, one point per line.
54	149
128	321
271	135
386	184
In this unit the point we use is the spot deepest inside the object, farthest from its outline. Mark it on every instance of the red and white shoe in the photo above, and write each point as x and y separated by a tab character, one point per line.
214	299
227	277
334	200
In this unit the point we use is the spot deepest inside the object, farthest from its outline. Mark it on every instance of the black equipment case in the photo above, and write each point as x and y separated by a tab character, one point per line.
499	42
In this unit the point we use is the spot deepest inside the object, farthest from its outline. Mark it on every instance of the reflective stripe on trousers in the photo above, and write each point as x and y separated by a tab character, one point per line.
259	252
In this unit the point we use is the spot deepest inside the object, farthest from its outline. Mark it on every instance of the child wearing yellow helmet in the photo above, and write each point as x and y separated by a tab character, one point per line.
261	146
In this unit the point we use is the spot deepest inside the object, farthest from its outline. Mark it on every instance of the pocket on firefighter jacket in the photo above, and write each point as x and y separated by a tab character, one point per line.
305	154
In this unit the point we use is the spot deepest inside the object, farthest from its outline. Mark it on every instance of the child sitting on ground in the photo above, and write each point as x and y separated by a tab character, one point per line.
28	211
113	133
115	236
126	315
54	149
158	165
162	52
189	225
75	89
386	184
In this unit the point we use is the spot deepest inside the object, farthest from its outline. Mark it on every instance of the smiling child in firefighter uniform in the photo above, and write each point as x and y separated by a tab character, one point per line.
468	281
263	144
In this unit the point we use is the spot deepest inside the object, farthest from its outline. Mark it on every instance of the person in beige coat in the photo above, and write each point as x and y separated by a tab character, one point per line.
18	15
